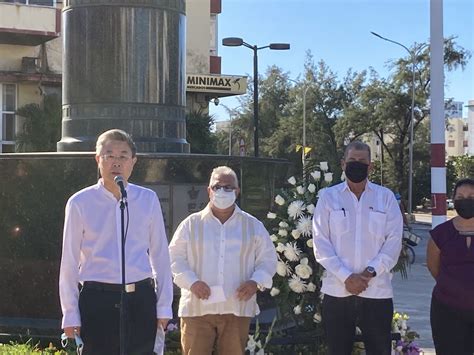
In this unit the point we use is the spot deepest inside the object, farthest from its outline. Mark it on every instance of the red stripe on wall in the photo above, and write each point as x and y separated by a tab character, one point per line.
216	6
214	64
58	20
438	155
438	204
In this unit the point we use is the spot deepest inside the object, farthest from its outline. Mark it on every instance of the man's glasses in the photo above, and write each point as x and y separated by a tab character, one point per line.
226	188
111	158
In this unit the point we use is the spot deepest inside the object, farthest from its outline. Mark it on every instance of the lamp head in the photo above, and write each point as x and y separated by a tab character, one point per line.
279	46
232	41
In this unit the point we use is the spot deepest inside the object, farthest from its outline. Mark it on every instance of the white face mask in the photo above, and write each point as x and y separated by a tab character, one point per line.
222	199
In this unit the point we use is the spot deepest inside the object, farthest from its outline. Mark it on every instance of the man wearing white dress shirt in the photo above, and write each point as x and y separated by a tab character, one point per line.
220	256
91	258
357	235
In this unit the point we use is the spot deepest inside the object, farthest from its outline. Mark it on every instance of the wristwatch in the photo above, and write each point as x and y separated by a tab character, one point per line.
371	271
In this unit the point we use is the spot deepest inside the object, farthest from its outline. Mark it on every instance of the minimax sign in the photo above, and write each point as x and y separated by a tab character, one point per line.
222	84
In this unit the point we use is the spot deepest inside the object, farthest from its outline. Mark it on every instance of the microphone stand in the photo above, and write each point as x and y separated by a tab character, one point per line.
123	294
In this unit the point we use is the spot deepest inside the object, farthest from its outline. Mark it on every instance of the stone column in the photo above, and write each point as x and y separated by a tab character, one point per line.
124	67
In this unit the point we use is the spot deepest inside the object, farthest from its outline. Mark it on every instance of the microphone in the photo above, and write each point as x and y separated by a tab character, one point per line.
120	182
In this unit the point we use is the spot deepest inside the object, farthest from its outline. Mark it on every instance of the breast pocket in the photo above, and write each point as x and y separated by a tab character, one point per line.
377	222
338	222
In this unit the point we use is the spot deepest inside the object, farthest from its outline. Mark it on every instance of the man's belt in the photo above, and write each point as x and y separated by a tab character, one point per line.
131	287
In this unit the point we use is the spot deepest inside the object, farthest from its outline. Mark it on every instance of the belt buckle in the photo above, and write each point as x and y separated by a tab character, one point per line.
129	288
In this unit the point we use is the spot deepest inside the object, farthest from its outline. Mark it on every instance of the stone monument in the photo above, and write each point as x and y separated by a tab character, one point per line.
124	67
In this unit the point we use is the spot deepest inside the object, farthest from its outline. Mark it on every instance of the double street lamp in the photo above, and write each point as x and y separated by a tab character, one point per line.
413	54
237	42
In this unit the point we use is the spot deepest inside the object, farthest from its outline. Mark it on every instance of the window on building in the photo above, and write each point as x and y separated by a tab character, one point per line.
8	120
451	143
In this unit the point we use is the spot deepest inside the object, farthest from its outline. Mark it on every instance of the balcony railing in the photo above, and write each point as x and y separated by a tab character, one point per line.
29	22
32	2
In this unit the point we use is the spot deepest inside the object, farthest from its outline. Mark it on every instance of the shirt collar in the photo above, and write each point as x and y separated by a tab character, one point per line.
100	186
207	212
345	186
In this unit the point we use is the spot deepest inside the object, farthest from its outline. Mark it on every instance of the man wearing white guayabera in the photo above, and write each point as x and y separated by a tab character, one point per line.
219	257
357	236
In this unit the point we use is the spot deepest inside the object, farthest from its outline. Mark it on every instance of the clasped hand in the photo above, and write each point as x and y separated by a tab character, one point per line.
357	283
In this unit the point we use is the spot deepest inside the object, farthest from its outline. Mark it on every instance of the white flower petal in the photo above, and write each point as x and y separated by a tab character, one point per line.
292	180
328	177
274	292
279	200
271	215
312	188
316	175
300	190
324	166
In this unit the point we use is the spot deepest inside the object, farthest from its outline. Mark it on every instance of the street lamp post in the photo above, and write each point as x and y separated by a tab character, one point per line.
236	42
413	53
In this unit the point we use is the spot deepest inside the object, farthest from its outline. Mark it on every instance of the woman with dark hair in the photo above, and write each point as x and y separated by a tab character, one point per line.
450	258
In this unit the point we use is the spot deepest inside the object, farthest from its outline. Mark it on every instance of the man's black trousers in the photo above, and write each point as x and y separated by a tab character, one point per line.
341	315
100	317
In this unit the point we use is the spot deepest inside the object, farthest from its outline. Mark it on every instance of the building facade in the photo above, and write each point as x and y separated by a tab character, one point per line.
31	59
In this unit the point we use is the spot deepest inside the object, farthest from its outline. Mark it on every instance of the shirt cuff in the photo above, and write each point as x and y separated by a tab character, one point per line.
164	313
71	320
185	280
343	273
263	280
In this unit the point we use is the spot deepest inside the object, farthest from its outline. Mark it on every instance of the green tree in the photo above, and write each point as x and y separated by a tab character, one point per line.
41	127
383	107
199	135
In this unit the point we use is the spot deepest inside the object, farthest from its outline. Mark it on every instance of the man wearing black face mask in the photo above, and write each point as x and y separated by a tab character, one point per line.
357	235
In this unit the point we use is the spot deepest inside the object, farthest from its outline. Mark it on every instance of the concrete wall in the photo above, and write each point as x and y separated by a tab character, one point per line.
198	35
28	18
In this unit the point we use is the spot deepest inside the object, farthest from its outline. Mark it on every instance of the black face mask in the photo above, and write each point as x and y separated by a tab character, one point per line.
356	171
464	207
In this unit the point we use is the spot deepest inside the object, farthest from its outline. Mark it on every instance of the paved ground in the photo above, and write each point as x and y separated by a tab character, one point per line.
413	295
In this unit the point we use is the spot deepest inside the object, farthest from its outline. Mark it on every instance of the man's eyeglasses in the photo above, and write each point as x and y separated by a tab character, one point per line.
226	188
110	158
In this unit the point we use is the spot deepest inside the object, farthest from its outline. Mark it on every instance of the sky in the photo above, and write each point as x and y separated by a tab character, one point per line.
338	32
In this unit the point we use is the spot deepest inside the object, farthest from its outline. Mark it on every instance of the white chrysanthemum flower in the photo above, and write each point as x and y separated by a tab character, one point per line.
309	243
316	175
304	226
282	269
279	200
317	318
310	209
292	180
324	166
296	284
271	215
283	232
303	270
312	188
311	287
295	233
328	177
280	248
300	189
297	309
283	224
343	176
292	252
295	209
274	238
274	292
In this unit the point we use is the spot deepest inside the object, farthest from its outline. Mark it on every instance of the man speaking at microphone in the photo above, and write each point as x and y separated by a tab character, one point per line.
91	274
